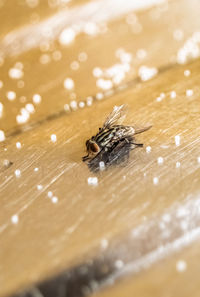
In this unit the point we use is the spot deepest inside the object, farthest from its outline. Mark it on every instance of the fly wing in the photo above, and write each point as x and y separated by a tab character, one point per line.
128	131
141	130
117	116
124	132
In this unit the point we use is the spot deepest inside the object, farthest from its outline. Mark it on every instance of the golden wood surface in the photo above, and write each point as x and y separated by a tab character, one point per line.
157	27
137	195
163	279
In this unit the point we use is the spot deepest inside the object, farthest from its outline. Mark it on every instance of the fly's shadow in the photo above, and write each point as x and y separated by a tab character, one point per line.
117	155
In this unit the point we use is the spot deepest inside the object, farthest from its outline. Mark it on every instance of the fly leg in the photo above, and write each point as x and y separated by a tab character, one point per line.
131	141
134	143
137	144
85	158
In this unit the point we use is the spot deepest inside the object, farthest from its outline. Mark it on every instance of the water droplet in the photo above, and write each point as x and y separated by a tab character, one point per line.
67	36
50	194
39	187
148	149
181	266
11	95
17	172
147	73
53	137
15	219
93	181
68	84
189	93
54	199
187	72
160	160
36	98
155	180
177	140
173	94
18	145
2	135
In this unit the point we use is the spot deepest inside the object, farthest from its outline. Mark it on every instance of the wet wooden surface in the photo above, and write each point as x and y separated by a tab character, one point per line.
163	279
51	218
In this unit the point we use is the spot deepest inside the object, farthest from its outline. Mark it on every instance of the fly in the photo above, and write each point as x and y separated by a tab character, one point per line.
112	135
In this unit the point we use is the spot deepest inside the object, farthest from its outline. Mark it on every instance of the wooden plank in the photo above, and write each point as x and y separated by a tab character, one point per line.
50	236
156	192
177	276
156	27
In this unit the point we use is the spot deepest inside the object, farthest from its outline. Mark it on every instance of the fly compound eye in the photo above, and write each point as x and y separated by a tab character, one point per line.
94	147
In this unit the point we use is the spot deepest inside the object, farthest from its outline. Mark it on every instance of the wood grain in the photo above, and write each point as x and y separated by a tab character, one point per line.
49	236
164	279
156	201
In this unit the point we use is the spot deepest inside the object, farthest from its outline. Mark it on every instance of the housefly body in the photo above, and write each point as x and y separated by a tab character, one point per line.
112	139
